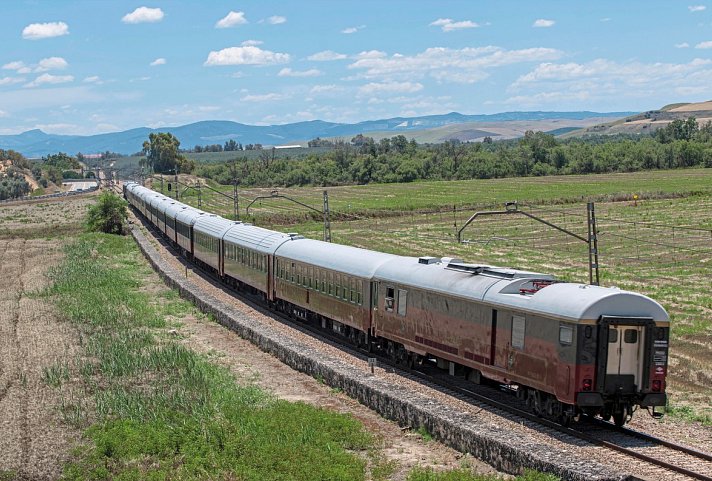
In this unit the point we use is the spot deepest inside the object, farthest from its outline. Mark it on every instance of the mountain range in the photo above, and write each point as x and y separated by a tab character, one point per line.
432	128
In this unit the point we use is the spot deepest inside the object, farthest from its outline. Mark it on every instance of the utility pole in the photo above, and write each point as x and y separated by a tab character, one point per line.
235	201
592	245
175	169
327	218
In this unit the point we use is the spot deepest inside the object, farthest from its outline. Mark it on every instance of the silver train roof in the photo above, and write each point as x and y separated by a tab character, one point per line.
212	225
507	288
353	260
262	240
520	290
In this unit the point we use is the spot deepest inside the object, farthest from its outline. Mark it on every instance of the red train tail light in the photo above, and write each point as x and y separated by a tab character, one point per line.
657	385
587	384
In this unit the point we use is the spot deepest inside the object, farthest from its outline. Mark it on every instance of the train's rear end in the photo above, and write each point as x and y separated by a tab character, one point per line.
631	367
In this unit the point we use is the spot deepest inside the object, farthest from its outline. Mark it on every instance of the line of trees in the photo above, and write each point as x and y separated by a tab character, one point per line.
364	160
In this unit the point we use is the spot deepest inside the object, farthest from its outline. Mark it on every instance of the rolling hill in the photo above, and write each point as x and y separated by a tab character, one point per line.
649	121
433	128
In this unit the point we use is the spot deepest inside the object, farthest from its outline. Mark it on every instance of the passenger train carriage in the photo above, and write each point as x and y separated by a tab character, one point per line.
565	348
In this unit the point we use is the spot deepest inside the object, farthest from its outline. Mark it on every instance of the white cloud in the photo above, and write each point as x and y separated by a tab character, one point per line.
350	30
94	79
232	19
606	19
326	56
466	65
288	72
51	63
46	78
245	56
552	85
276	19
144	15
449	25
37	31
3	113
696	8
371	54
251	43
704	45
263	98
374	88
682	45
17	65
158	61
317	89
11	80
543	23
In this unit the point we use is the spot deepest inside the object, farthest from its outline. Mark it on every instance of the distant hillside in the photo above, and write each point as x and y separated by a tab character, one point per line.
434	128
651	120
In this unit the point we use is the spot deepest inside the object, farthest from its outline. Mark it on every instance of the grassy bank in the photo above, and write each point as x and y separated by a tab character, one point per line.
152	409
156	410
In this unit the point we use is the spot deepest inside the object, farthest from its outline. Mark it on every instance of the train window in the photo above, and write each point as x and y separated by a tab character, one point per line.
566	335
612	336
660	334
390	294
402	301
323	282
630	336
588	332
518	331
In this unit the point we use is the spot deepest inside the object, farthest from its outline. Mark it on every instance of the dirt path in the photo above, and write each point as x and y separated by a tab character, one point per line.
34	443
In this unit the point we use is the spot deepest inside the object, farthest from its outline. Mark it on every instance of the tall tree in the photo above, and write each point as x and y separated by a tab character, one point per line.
161	150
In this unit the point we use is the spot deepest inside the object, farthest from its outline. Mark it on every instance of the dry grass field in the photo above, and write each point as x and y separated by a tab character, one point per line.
34	442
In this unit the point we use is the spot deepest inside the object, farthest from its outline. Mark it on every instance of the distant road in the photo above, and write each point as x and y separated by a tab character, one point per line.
79	186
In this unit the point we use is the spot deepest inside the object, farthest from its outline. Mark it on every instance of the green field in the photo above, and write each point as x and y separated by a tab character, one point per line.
357	201
660	245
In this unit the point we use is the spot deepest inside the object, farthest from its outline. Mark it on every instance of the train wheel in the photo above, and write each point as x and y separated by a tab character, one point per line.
620	415
475	376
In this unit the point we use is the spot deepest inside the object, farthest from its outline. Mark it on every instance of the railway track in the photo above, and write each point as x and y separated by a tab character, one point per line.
669	460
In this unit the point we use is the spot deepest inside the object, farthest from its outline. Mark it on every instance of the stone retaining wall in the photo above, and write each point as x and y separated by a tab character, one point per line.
504	450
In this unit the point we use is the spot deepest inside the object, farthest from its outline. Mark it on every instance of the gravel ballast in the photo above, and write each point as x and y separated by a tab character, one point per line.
502	448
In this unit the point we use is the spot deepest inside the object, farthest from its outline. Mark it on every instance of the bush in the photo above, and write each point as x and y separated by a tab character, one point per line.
108	215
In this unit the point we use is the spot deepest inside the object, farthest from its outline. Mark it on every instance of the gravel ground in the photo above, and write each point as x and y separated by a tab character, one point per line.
675	430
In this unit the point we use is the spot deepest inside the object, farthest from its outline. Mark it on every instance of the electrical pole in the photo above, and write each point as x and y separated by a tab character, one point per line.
592	245
327	218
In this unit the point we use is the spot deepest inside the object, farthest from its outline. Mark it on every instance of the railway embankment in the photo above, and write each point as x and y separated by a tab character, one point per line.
501	448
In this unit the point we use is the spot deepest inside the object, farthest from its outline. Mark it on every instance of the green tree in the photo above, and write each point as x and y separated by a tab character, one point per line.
108	214
161	150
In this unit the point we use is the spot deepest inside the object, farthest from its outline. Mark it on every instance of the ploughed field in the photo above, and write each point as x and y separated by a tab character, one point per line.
659	245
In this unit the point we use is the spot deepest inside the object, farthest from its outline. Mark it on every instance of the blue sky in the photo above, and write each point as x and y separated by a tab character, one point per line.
85	67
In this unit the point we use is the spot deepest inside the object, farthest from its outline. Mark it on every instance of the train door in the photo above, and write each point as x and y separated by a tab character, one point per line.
624	361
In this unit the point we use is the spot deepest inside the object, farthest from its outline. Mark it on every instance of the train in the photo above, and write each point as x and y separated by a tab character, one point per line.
566	349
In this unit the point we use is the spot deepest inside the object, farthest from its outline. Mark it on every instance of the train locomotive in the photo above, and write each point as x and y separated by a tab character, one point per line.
566	349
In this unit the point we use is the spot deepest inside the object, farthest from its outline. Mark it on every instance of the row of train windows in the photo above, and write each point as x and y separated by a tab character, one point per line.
247	257
330	283
183	229
206	241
